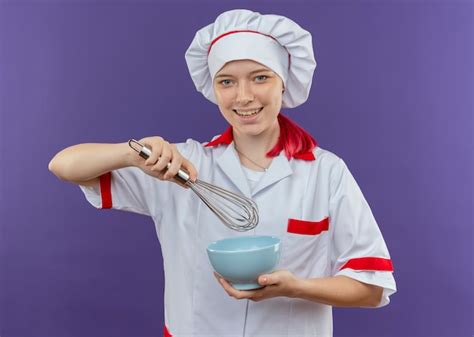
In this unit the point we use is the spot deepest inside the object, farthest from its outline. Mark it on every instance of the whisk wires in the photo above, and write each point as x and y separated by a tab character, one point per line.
236	211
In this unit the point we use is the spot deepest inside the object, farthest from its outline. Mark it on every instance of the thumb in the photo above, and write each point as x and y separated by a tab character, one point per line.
266	280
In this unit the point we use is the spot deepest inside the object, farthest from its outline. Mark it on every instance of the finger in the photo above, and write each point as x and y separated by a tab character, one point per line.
262	280
164	159
238	294
231	291
176	161
155	149
224	284
264	293
159	175
189	167
255	295
266	280
218	277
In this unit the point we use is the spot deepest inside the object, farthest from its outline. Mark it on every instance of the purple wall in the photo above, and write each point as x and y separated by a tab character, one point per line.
392	95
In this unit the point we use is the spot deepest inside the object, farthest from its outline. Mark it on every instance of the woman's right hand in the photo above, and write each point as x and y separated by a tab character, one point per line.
163	153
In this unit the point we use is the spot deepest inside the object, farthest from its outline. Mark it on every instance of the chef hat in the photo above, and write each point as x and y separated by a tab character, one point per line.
272	40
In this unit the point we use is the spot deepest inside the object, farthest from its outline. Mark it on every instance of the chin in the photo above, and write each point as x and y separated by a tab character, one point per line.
251	130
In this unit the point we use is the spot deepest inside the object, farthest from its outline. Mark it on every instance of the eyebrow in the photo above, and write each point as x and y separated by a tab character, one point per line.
252	72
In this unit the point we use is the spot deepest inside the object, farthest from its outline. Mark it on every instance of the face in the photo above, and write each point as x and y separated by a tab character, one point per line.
249	96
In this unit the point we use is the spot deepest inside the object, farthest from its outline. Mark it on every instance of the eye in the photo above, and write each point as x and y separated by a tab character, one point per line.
261	78
226	83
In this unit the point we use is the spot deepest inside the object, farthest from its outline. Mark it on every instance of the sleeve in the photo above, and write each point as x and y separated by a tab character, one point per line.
358	249
126	189
130	189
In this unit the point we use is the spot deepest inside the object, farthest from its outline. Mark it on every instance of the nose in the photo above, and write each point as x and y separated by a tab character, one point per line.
244	94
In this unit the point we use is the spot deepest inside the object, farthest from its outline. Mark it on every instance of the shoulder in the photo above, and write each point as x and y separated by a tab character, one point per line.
327	165
322	154
334	164
325	159
192	148
188	146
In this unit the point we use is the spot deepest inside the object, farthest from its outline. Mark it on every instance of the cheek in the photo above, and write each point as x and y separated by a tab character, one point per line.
272	97
217	94
223	97
222	103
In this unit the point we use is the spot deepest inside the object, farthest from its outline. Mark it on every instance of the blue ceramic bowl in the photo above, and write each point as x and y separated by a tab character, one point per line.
241	260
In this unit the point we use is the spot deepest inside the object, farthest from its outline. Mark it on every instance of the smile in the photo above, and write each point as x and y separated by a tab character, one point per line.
247	113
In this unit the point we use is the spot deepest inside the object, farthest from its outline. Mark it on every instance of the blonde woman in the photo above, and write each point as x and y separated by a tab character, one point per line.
251	66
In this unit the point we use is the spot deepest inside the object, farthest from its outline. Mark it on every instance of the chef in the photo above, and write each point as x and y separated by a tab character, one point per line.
333	253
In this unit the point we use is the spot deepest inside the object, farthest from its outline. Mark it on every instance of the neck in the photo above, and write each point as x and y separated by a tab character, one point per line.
256	147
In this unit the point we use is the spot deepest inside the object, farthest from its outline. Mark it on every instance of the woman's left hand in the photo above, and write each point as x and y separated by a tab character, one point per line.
278	283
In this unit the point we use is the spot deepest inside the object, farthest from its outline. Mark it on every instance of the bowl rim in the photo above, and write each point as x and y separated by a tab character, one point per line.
213	250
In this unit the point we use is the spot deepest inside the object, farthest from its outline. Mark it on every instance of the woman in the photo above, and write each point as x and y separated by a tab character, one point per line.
251	66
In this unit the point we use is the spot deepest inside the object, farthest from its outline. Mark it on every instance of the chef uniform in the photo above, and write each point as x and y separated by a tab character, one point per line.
311	201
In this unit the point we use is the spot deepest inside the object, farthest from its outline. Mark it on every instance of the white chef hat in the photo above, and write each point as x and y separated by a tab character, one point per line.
272	40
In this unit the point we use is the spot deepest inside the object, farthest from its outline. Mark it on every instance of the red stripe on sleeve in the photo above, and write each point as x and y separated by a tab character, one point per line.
307	227
166	333
105	190
369	263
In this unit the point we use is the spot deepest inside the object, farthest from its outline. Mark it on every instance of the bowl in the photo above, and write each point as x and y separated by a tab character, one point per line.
241	260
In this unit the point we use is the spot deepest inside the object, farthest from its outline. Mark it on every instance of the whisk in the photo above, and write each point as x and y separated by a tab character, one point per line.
235	211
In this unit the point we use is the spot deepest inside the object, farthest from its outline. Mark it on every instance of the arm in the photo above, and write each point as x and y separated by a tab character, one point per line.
84	163
340	291
354	236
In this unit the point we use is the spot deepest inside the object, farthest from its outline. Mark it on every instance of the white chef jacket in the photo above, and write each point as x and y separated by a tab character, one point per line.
316	208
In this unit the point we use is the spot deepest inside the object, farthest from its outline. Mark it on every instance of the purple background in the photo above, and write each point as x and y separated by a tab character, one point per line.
392	95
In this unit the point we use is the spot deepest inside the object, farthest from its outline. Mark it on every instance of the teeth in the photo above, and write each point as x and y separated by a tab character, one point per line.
247	113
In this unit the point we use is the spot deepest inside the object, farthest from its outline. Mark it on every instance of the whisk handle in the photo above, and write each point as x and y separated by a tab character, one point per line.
145	153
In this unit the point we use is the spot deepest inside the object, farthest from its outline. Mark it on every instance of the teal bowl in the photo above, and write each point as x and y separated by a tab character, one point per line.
241	260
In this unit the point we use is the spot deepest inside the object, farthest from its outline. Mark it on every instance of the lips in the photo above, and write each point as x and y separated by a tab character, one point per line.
247	112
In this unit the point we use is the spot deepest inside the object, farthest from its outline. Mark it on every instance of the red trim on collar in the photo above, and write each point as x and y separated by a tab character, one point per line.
227	137
308	156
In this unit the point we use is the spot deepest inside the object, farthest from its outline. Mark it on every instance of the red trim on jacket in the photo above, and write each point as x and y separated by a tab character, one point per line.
369	263
227	137
308	156
166	333
307	227
105	190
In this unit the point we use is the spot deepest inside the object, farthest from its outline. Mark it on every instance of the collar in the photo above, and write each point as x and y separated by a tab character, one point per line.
227	138
229	163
